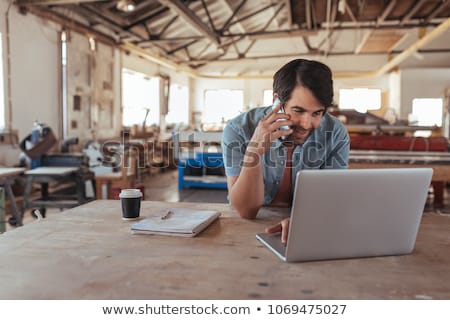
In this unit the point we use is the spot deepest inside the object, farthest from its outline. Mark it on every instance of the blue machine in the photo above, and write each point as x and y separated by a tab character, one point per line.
206	170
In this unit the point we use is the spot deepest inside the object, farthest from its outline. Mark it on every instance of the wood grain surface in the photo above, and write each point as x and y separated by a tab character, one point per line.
88	252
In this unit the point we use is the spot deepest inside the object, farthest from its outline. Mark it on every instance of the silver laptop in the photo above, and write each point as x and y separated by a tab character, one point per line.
353	213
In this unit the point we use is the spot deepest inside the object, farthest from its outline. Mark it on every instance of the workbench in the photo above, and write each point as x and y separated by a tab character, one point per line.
438	161
88	252
46	175
7	177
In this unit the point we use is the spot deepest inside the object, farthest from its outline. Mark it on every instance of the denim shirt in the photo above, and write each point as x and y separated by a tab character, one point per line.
327	147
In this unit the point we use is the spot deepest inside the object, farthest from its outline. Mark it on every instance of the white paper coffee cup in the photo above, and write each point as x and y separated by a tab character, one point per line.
130	193
131	203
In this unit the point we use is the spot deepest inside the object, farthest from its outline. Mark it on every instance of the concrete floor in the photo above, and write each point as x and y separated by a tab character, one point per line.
164	187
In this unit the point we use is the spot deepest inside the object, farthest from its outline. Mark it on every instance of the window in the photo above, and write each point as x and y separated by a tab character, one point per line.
64	84
2	97
178	104
140	99
222	105
426	112
360	99
267	98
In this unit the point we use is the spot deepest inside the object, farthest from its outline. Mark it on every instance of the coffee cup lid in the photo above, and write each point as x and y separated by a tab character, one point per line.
130	193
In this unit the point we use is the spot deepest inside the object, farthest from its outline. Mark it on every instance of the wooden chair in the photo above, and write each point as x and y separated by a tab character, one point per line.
125	178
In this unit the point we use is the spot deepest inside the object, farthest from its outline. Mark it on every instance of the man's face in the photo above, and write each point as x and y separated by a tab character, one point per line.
305	111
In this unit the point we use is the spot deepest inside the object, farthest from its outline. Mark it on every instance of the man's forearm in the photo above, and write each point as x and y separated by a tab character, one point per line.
247	193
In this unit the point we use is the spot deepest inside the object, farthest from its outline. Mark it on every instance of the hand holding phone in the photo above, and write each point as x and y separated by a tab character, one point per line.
274	105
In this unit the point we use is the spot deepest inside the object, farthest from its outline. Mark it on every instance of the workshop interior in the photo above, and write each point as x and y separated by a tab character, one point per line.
98	96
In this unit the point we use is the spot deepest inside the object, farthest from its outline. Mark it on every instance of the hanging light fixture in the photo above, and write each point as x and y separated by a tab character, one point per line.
126	5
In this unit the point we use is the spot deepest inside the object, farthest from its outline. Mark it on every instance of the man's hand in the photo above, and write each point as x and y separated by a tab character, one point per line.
282	227
268	130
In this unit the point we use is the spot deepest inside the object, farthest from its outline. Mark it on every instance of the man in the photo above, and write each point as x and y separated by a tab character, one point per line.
260	164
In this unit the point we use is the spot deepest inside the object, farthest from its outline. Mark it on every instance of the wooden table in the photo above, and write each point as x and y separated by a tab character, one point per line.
88	252
7	176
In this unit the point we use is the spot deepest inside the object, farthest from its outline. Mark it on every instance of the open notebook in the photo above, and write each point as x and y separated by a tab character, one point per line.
176	222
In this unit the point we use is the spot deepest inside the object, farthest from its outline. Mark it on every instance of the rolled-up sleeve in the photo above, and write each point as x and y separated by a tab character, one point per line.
233	149
339	156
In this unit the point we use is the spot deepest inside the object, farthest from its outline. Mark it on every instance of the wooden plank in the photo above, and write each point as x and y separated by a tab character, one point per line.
7	172
88	253
381	41
56	171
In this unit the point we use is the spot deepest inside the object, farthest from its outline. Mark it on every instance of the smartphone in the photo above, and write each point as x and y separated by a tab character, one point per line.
275	103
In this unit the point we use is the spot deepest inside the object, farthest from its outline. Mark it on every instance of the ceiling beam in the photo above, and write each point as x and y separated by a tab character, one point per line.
437	10
279	34
166	26
101	13
413	10
253	41
386	12
148	55
251	15
363	41
283	33
310	54
93	15
72	25
289	12
163	40
185	13
308	14
308	45
211	22
350	12
146	15
233	14
184	46
436	32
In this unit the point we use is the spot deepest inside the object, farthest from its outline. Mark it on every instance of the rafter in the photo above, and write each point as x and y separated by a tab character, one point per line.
252	43
386	12
168	24
184	46
233	14
102	14
251	15
185	13
350	12
71	24
295	54
287	4
413	10
87	11
437	10
309	24
146	15
205	7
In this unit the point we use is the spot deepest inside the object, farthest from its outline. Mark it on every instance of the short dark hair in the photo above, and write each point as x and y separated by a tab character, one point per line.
310	74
